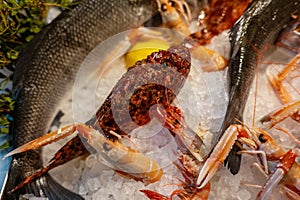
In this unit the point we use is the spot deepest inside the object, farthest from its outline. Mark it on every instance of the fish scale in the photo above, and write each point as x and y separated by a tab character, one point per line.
254	31
46	69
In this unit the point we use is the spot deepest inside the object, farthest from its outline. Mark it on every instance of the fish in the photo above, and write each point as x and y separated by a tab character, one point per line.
257	28
46	70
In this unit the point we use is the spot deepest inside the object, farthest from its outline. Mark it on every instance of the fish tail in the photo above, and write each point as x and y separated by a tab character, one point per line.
46	186
233	160
31	179
54	191
42	181
39	184
234	115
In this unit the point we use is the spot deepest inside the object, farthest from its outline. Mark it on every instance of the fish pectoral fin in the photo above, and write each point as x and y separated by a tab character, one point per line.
44	140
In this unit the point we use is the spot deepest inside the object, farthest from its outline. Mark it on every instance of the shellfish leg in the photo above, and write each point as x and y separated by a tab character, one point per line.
288	110
277	81
154	195
291	108
283	167
172	118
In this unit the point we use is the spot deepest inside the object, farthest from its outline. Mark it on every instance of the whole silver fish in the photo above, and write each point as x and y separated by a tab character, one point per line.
254	31
46	69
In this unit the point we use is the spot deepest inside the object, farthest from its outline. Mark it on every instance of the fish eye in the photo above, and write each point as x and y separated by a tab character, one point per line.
106	146
262	138
164	7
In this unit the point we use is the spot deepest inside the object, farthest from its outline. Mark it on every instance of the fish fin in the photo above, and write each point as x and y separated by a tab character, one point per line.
72	149
31	178
40	183
233	160
234	115
43	186
52	189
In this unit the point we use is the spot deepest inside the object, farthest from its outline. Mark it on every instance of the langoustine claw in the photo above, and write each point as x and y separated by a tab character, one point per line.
219	154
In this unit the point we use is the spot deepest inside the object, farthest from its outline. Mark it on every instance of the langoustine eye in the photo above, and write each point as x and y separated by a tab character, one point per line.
262	138
164	7
107	147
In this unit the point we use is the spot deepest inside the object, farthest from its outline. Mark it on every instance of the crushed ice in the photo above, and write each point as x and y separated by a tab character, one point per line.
94	180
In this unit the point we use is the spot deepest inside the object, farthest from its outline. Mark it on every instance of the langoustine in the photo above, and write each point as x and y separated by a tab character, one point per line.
189	168
260	143
216	17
